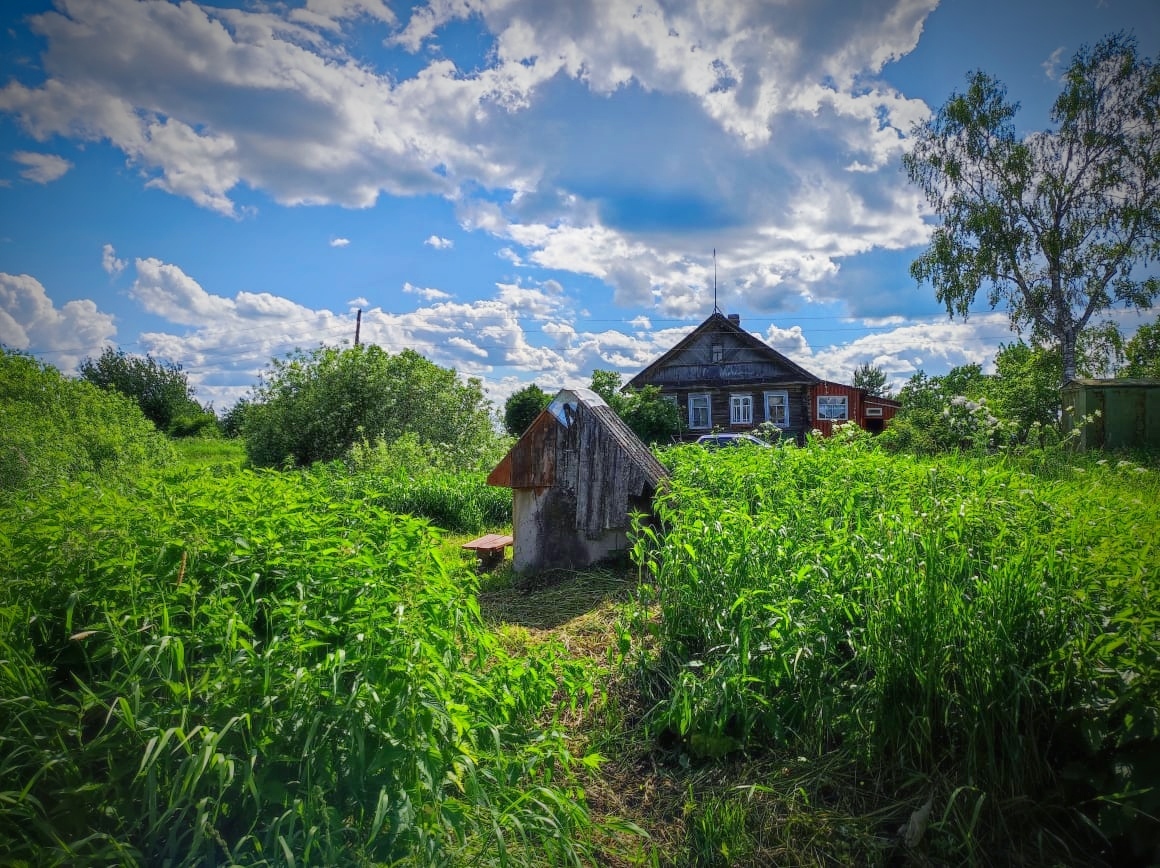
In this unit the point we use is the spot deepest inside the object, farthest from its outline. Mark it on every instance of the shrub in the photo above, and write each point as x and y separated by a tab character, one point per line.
313	406
56	429
160	388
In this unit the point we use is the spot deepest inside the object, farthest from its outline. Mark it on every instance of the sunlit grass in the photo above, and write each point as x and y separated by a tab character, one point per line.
959	622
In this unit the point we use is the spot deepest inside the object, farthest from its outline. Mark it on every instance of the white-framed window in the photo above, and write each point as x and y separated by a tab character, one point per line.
777	408
873	411
700	414
740	409
832	407
718	353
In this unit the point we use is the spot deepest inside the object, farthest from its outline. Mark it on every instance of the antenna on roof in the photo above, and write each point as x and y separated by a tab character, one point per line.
715	308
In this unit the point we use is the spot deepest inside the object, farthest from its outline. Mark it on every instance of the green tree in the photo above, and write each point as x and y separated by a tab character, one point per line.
522	407
160	388
943	413
653	419
1099	351
606	384
1142	352
1052	223
313	406
1025	388
871	378
645	411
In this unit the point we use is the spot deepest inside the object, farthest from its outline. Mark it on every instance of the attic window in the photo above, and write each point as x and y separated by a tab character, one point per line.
718	352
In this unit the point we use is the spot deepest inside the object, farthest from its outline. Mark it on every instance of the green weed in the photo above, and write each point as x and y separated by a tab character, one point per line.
958	620
261	668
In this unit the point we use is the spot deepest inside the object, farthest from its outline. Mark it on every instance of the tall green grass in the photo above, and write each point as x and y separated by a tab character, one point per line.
412	478
955	621
249	669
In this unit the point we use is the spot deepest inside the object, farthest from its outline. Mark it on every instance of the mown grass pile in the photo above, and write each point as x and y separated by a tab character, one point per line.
956	627
245	668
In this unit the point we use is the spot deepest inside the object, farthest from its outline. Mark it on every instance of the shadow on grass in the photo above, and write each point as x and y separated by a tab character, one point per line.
551	598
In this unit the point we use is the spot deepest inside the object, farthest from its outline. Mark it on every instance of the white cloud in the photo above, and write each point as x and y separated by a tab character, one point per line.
339	242
330	14
110	262
1052	66
64	336
41	168
786	161
426	293
934	346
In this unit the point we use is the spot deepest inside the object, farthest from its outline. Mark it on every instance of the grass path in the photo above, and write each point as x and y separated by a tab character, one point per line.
754	810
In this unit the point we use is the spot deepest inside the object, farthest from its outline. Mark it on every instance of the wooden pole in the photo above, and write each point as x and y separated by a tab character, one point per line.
357	326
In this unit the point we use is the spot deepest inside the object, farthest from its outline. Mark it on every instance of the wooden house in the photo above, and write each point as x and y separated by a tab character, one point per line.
577	474
723	378
835	403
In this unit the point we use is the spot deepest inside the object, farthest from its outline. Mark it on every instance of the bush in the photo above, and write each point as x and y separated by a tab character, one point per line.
160	388
411	478
314	406
56	430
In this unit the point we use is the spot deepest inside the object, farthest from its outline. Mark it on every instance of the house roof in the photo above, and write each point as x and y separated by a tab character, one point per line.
718	322
1119	382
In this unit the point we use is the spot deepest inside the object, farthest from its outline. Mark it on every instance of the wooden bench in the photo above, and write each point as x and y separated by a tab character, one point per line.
489	549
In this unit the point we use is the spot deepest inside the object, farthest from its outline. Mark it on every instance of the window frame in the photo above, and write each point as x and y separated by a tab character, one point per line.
741	409
834	401
784	395
708	399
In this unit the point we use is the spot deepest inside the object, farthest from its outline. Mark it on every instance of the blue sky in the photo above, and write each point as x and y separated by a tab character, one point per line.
522	190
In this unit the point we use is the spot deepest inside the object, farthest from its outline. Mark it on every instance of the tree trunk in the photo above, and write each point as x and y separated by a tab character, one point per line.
1067	350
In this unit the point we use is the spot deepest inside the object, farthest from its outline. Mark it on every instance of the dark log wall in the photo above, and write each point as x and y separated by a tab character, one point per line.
799	407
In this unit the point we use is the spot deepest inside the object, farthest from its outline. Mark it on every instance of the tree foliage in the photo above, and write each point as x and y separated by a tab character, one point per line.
313	406
160	388
57	429
871	378
1025	388
522	407
1056	222
652	418
1142	352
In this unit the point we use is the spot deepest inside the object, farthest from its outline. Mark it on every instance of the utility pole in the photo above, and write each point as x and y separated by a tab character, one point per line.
357	326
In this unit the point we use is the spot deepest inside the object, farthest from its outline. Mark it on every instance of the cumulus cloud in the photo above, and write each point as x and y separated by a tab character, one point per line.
426	293
900	351
110	262
64	336
339	242
439	243
41	168
786	155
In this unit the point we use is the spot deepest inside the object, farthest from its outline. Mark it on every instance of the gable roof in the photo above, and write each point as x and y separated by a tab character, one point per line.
718	322
531	463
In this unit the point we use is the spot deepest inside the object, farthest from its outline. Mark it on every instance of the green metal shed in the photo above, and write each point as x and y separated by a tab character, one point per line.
1128	412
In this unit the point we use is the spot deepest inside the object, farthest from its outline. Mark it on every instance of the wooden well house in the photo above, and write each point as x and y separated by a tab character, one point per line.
577	475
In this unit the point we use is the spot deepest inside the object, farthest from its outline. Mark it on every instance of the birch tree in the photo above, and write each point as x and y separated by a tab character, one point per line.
1058	225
